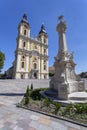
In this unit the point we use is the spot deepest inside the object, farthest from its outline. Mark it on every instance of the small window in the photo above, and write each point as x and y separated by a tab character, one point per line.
35	66
24	32
22	66
44	67
44	51
44	40
44	61
44	76
35	47
22	76
23	58
23	44
35	59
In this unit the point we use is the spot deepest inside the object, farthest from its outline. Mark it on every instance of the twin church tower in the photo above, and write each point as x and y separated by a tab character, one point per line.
31	55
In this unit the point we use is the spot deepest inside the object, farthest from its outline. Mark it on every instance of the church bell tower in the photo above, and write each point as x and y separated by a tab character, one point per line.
21	58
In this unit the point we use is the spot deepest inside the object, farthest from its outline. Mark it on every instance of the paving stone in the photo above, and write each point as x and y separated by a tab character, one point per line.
43	127
17	128
83	128
23	124
34	117
70	128
1	105
1	125
58	126
34	124
13	118
44	121
5	128
44	116
72	125
32	128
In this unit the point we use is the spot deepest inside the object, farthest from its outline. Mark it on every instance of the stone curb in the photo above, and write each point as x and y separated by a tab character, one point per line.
53	116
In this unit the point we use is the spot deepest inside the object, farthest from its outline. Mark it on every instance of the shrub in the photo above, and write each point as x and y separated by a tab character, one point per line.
27	95
78	108
35	94
84	108
47	102
68	108
31	87
27	99
85	90
57	107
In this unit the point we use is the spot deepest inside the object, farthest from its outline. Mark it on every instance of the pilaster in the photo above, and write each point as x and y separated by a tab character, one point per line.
18	63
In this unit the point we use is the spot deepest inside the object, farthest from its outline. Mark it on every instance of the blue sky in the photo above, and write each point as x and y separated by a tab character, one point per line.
47	12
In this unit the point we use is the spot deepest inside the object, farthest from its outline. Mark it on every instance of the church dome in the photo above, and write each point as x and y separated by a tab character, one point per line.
24	19
43	29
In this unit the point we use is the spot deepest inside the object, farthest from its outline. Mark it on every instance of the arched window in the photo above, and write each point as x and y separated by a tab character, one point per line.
35	47
22	65
44	51
24	44
44	61
23	58
35	59
22	76
24	32
35	66
44	40
44	67
44	76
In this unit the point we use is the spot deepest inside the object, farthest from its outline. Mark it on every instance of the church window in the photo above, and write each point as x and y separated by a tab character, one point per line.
35	66
35	47
35	59
44	51
44	40
22	76
44	61
25	26
23	58
22	65
23	44
44	67
44	76
24	32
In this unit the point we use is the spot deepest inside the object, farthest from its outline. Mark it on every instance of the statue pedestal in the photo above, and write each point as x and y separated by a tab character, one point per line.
65	81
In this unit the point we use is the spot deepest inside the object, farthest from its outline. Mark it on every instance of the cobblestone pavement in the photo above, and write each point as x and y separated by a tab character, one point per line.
13	118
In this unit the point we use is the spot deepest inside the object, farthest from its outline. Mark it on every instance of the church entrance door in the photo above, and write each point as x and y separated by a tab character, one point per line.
35	75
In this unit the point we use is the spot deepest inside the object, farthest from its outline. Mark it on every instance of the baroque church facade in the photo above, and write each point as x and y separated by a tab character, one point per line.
31	55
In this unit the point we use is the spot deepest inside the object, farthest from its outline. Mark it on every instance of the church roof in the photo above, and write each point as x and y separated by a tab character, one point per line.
43	29
24	19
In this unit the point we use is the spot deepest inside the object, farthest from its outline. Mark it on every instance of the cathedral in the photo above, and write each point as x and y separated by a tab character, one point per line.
31	55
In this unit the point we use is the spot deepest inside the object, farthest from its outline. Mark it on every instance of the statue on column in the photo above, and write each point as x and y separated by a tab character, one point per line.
65	80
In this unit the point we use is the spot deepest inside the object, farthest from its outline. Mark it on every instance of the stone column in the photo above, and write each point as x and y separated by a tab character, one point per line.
20	43
42	77
39	68
47	70
27	63
21	30
61	29
18	63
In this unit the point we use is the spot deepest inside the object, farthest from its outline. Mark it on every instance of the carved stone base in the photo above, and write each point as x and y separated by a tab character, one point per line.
66	88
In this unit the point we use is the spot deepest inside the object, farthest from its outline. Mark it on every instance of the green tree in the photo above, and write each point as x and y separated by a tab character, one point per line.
2	58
